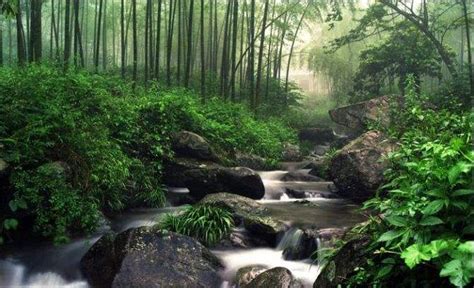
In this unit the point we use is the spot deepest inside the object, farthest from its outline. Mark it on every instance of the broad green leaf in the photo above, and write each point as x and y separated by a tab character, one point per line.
390	235
398	221
467	247
430	221
463	192
10	224
457	170
433	207
415	254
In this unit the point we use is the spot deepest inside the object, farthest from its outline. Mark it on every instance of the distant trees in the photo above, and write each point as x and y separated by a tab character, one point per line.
217	47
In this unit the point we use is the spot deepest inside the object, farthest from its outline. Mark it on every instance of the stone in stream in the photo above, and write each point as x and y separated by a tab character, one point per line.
174	169
246	274
277	277
305	244
148	257
357	169
239	180
296	194
265	228
300	176
242	207
342	265
191	145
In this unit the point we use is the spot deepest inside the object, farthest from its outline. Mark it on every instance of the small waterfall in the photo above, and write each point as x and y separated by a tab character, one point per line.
291	238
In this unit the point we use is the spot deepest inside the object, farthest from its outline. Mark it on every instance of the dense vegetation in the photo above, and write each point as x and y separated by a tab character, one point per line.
113	138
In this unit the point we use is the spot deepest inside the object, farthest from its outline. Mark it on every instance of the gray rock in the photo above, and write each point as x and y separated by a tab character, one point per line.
189	144
250	161
208	180
241	206
357	116
296	194
265	228
148	257
245	275
321	150
291	153
357	169
278	277
175	169
303	247
342	265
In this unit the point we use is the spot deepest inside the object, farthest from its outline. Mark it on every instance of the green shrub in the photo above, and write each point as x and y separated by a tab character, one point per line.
427	218
208	224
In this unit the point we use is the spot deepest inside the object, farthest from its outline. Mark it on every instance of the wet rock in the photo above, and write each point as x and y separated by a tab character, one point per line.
357	116
296	194
148	257
342	266
303	246
241	239
278	277
250	161
191	145
318	136
357	169
291	152
328	236
265	228
208	180
175	169
246	274
300	176
240	206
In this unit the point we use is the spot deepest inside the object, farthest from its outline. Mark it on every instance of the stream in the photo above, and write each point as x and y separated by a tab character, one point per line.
46	265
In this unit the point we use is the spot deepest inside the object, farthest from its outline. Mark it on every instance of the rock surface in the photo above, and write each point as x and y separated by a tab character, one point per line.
304	247
207	180
265	228
291	152
357	169
239	205
148	257
250	161
277	277
189	144
357	116
319	136
349	257
300	176
245	275
175	169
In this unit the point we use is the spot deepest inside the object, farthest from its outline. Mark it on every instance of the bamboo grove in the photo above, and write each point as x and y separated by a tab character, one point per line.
239	49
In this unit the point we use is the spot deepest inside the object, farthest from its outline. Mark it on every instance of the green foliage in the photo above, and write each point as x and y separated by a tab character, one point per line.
207	223
113	138
427	216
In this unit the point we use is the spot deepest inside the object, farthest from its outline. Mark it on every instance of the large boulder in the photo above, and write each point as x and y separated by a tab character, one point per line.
239	180
277	277
302	246
191	145
343	264
148	257
357	116
357	169
319	136
246	274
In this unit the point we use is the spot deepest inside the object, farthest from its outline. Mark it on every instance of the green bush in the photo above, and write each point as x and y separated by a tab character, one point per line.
208	224
426	224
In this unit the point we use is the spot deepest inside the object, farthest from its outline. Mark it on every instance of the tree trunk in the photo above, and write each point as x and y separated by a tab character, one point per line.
260	56
203	62
469	56
158	42
190	45
122	37
35	31
20	37
235	24
135	41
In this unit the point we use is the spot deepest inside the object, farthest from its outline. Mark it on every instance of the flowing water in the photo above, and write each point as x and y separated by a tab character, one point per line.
45	265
